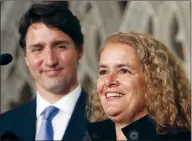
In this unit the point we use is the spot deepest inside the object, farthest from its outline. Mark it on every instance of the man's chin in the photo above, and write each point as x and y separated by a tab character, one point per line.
54	88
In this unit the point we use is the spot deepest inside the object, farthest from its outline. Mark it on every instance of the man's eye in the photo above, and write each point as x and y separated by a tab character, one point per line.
36	49
62	47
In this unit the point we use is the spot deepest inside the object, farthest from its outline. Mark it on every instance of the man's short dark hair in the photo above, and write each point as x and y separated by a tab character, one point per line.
54	15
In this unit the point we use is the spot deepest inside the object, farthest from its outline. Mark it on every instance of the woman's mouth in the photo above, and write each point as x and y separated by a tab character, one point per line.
108	95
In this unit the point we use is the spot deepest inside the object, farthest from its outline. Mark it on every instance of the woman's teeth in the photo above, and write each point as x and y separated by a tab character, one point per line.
113	95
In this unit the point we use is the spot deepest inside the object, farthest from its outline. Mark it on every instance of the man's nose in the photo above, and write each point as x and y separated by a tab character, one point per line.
50	58
111	80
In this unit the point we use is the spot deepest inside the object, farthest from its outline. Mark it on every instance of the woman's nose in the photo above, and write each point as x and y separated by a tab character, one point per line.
111	80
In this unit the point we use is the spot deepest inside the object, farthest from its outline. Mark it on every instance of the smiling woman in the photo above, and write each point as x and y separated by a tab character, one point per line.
121	85
142	92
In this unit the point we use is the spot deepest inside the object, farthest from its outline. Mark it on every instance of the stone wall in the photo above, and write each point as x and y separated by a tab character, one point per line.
168	21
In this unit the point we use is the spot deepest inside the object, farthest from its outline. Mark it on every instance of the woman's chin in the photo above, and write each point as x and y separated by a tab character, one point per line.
112	112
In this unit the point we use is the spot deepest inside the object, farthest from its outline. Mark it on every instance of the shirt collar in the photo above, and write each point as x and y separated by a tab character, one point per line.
66	103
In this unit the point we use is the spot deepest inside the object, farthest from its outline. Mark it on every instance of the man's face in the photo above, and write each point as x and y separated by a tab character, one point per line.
52	58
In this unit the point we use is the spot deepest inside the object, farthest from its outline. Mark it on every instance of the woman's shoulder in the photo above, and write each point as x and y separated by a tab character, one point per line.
101	130
178	136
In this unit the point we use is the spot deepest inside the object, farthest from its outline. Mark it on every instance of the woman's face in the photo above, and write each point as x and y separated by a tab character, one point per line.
121	85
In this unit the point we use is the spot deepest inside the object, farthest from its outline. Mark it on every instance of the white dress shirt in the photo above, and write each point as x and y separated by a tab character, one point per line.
66	106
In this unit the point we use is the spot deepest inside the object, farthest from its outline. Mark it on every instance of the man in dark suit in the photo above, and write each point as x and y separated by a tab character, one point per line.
51	38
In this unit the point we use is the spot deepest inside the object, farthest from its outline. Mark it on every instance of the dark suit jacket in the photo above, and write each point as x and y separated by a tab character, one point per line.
141	130
22	121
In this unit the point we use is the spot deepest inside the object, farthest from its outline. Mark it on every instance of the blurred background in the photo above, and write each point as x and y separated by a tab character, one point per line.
167	21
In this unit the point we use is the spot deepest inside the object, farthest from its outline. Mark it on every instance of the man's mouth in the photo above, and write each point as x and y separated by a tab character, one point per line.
52	72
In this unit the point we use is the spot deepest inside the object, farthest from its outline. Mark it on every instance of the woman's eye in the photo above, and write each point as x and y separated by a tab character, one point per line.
124	71
102	72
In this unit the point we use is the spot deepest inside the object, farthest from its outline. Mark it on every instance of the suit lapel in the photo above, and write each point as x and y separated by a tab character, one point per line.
27	122
77	124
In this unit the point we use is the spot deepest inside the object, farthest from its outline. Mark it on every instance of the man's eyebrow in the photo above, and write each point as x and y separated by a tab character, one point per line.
36	45
54	43
58	42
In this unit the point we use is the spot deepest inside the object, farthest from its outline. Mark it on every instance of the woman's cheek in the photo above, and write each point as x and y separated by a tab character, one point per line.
100	86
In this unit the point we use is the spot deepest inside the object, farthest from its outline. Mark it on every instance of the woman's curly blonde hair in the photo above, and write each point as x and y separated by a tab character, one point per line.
168	98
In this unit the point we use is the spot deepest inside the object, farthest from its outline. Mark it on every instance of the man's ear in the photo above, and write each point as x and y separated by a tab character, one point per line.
80	51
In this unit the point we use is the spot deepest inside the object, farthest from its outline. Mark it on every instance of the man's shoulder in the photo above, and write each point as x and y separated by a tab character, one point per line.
18	119
13	113
83	95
